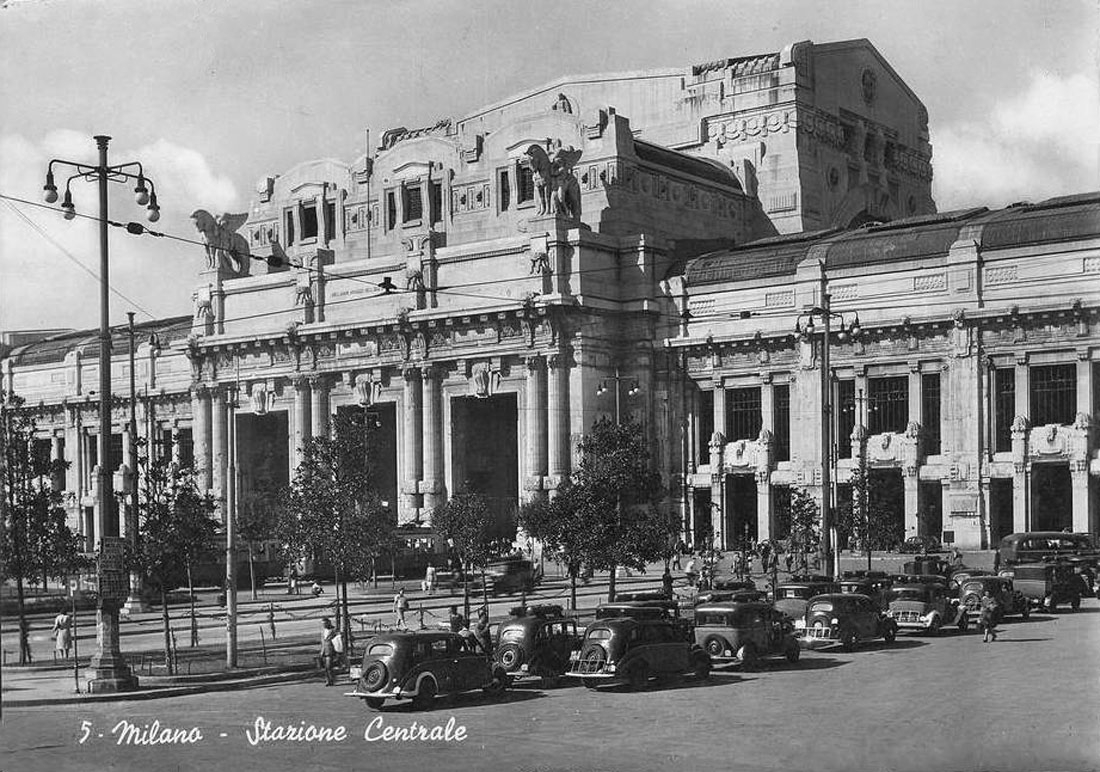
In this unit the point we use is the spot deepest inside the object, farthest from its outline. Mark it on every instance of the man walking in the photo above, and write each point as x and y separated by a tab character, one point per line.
400	606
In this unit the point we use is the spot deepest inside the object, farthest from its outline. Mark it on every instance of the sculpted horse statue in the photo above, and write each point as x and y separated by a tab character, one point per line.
225	248
541	172
557	191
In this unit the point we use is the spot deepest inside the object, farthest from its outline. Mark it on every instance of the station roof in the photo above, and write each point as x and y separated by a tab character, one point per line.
57	347
921	238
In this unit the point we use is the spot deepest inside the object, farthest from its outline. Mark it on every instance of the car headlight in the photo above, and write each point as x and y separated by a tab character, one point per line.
610	667
834	621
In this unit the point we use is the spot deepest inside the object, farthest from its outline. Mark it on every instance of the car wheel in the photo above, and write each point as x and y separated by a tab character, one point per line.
1051	603
963	624
1075	603
934	628
375	703
425	695
890	634
848	640
638	676
701	668
1026	613
793	652
375	677
510	656
747	655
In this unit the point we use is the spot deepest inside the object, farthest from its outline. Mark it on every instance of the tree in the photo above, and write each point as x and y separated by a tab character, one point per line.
805	526
36	541
868	516
178	525
617	493
471	527
257	516
559	524
333	509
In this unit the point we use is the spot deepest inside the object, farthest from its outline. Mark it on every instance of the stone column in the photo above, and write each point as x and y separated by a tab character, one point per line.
219	446
915	403
1023	388
1021	473
177	453
763	506
557	413
200	435
432	485
912	503
319	405
536	423
1079	487
1085	515
301	426
413	433
57	480
719	402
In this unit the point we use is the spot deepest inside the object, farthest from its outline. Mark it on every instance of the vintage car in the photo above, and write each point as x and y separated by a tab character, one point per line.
1010	601
791	597
1045	546
418	666
663	609
510	575
536	642
1048	585
917	544
744	633
845	620
925	607
960	575
730	591
874	588
628	650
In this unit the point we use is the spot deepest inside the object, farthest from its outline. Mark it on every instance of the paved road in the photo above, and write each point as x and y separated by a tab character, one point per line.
1027	702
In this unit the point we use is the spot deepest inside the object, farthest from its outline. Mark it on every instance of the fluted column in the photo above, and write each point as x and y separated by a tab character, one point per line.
219	445
319	405
177	457
557	425
536	423
413	432
432	486
200	435
301	418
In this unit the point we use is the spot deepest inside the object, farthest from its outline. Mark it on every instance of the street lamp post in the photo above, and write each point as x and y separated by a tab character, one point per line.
136	601
108	672
826	314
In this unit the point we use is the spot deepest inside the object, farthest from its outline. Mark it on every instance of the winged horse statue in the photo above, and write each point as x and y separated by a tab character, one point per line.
225	248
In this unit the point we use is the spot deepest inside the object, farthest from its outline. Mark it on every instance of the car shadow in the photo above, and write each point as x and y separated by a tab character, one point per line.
464	700
811	662
716	679
899	644
1001	639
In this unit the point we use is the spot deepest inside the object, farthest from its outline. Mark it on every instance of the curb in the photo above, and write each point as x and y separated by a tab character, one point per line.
167	691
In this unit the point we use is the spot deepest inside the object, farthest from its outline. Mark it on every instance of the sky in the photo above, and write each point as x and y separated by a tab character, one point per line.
210	96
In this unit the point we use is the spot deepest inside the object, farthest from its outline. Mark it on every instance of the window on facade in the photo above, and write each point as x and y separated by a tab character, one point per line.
525	183
412	204
504	188
704	421
781	421
309	221
846	417
1053	394
391	210
888	406
930	412
289	228
743	418
330	220
1004	406
435	201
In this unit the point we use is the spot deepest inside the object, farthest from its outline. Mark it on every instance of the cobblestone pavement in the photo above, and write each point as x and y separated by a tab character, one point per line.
1027	702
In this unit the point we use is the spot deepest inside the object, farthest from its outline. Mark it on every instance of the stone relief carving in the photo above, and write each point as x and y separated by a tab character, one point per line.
912	430
1082	422
483	380
540	264
960	334
557	191
367	390
261	399
1020	425
225	248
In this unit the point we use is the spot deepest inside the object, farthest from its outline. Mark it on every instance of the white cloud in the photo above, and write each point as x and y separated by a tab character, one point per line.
40	284
1043	142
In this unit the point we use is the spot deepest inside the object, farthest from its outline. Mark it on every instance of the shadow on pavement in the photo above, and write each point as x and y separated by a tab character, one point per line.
465	700
804	663
1001	639
716	680
889	648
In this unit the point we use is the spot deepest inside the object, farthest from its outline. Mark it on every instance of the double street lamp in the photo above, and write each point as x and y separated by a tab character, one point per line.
110	672
826	315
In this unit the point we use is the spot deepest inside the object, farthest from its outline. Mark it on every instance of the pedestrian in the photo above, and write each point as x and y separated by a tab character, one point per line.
996	561
666	583
676	558
690	571
62	630
25	656
429	579
292	582
957	557
991	610
271	619
481	632
316	589
456	620
328	649
788	559
400	606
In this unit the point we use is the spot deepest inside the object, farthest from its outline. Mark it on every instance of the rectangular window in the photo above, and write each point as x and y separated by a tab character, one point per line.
330	220
504	190
289	228
930	412
845	417
743	416
309	221
391	210
412	204
1004	407
525	183
781	421
435	201
1053	394
704	422
888	406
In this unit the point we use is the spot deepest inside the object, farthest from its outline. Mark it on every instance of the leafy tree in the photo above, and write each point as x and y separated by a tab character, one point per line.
617	492
257	516
558	523
471	527
333	509
868	516
805	526
35	540
178	525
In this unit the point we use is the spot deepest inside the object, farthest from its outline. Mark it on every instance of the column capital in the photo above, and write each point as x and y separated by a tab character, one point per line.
319	380
199	390
559	360
535	362
300	381
411	372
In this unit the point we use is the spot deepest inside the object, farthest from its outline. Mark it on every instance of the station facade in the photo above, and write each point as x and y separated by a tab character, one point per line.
484	286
